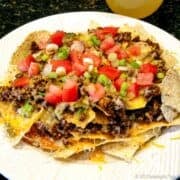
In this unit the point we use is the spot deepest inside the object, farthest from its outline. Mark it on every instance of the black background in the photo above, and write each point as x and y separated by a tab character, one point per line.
14	13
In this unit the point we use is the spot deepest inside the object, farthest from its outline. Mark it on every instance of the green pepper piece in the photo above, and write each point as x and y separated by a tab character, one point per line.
134	64
63	52
52	75
26	109
44	57
123	90
104	80
122	62
95	41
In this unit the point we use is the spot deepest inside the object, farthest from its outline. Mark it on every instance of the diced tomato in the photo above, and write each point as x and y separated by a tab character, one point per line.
117	83
61	63
79	68
25	63
21	82
95	58
54	95
109	71
57	37
145	79
122	54
107	43
52	99
110	30
134	50
148	68
70	91
55	89
34	69
75	56
134	89
96	91
114	49
102	32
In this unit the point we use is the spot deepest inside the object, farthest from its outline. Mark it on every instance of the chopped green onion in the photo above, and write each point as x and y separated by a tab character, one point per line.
95	41
112	57
123	90
63	52
63	79
80	112
26	109
87	75
122	62
104	80
134	64
44	57
160	75
52	75
41	93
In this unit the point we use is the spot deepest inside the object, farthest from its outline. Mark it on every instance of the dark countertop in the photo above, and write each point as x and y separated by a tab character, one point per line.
14	13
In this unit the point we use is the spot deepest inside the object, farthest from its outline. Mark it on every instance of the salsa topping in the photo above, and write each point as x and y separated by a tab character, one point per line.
115	74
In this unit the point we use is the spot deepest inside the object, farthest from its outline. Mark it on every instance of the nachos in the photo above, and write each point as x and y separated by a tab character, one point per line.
112	88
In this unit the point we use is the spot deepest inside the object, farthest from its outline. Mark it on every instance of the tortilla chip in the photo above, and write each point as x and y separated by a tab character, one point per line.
24	49
77	136
126	149
15	124
74	118
138	129
44	143
120	147
100	119
170	89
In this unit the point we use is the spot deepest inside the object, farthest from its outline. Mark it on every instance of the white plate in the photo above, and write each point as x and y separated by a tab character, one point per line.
30	163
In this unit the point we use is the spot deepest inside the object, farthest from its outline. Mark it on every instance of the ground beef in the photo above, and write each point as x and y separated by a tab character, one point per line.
34	47
153	44
116	126
152	91
123	36
136	39
151	112
112	106
18	96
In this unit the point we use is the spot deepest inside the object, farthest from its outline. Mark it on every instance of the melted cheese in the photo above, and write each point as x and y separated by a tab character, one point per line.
15	124
97	156
75	119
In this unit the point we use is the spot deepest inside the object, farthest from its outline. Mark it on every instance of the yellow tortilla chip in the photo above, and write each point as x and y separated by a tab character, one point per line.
74	118
77	136
15	124
126	149
24	49
141	128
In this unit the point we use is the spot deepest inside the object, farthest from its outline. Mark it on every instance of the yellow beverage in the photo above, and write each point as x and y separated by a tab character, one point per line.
134	8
